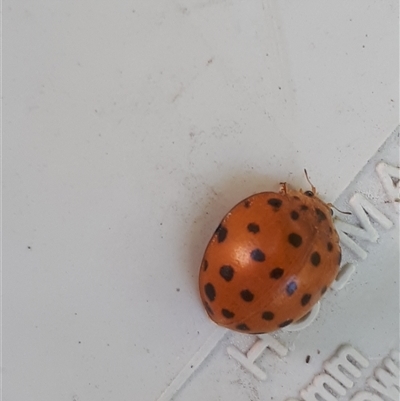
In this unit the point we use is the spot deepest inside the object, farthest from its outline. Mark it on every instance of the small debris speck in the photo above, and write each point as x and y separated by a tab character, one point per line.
308	358
178	289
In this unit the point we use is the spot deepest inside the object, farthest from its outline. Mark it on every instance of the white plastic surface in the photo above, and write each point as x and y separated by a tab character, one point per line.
129	129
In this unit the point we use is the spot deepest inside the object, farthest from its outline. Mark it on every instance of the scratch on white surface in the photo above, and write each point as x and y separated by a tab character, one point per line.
197	359
277	48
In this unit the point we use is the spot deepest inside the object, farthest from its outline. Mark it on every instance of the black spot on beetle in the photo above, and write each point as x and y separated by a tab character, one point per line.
210	291
276	273
205	265
329	246
257	255
295	240
221	233
305	299
320	214
242	327
247	204
275	203
294	215
226	272
247	295
227	313
253	228
315	259
304	207
267	315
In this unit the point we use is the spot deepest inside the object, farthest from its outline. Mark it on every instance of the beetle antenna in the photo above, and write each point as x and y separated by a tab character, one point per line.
340	211
312	186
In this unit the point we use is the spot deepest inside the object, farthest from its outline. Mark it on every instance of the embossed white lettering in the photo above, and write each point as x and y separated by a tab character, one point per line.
386	380
390	178
247	361
365	396
343	277
342	359
361	207
322	386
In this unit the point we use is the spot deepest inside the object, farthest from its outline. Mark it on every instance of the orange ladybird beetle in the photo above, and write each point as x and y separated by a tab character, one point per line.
269	261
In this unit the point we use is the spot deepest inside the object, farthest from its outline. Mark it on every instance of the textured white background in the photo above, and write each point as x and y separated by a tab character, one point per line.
129	129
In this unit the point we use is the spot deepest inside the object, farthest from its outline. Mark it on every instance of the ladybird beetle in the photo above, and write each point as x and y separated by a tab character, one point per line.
269	261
